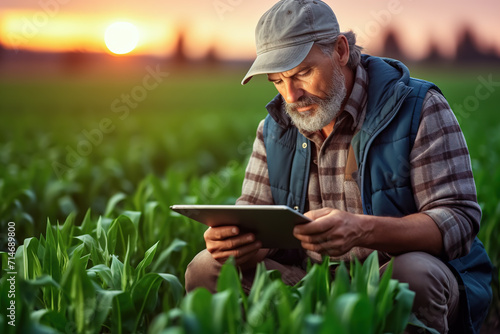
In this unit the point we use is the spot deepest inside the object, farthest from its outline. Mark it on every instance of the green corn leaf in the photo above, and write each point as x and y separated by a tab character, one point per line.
261	279
127	269
197	308
31	265
261	315
226	312
284	306
141	196
386	304
86	227
163	194
150	228
104	305
371	274
66	231
229	279
384	298
120	230
259	308
159	324
398	317
92	246
104	273
162	263
123	314
51	292
175	330
102	239
191	324
113	201
135	217
80	292
103	225
332	323
342	283
355	312
174	293
145	292
53	265
359	278
315	288
148	258
51	319
116	273
312	324
85	260
19	259
44	280
50	264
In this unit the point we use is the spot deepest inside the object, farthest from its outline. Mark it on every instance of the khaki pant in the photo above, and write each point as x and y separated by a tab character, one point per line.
436	288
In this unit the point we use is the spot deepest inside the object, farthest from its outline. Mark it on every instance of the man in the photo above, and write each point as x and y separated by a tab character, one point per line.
375	158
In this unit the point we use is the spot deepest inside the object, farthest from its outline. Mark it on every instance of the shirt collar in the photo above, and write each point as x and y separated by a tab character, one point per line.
357	100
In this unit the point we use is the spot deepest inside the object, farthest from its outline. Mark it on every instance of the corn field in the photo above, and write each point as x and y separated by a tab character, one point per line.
89	245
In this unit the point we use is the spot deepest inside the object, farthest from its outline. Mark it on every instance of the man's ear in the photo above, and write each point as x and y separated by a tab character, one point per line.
342	50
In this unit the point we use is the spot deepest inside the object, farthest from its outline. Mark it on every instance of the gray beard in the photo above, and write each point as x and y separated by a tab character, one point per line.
327	109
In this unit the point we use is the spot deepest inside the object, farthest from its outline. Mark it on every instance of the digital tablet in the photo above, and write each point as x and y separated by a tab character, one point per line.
271	224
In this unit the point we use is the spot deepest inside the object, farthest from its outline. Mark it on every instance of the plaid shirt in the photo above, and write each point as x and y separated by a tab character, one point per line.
440	171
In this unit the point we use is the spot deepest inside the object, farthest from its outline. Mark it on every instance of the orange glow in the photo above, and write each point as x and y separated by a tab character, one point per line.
31	30
68	31
228	25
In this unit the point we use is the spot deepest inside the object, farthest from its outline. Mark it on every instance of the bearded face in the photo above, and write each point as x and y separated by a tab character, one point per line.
327	108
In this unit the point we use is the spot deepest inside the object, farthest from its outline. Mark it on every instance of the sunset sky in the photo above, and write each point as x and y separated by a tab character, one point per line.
79	25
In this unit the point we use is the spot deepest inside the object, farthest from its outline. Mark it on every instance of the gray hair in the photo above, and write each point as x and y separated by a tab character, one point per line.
327	46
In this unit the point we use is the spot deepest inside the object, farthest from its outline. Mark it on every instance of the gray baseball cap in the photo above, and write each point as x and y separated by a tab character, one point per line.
286	33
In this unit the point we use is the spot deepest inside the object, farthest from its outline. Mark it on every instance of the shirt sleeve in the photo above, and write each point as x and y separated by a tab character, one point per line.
441	174
256	189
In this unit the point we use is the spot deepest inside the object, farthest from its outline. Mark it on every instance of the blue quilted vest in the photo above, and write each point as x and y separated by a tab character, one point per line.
382	148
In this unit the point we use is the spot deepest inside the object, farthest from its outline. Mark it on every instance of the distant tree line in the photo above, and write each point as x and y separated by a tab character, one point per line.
467	51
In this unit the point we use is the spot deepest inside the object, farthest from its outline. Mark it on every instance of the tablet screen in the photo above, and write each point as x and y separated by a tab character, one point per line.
271	224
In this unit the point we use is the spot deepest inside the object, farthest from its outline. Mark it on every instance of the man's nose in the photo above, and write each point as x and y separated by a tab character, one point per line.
293	91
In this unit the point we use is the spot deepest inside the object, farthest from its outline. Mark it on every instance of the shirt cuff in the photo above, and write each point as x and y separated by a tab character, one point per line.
453	245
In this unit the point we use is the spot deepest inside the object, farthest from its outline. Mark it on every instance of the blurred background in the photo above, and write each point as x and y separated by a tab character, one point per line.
223	29
99	98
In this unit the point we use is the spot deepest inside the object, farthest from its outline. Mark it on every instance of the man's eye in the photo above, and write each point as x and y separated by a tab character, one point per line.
277	82
304	73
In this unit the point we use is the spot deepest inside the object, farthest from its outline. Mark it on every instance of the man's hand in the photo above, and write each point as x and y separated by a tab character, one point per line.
225	241
332	232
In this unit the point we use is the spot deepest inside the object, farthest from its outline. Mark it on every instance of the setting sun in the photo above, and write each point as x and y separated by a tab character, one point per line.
121	37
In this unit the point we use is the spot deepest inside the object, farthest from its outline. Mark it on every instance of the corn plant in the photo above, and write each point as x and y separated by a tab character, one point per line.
360	302
70	280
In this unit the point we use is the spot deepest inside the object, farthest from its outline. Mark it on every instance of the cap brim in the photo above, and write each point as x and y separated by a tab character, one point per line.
278	60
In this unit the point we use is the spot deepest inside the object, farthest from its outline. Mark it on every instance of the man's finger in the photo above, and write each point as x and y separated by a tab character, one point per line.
315	214
313	238
238	253
314	227
230	243
221	232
